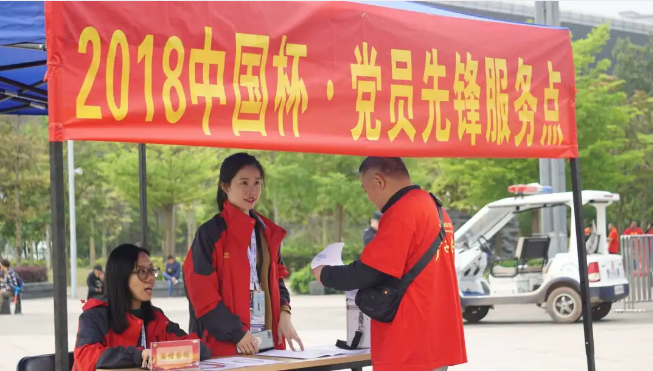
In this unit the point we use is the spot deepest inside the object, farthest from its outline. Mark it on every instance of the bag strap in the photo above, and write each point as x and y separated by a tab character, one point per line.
432	250
354	342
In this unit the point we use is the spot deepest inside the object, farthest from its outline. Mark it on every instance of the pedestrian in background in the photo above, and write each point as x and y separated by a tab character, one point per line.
370	231
633	229
172	273
9	282
613	239
95	282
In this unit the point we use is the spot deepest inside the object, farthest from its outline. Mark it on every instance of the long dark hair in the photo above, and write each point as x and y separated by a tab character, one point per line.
120	266
230	167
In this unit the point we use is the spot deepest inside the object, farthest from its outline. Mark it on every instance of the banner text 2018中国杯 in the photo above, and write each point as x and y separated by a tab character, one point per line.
244	85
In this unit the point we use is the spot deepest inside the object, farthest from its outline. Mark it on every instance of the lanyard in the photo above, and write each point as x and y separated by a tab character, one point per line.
251	255
143	342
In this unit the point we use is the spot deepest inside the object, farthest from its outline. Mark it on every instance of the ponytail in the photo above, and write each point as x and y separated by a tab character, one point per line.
221	198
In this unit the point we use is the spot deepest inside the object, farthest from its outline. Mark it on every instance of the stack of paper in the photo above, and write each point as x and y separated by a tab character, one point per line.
231	363
314	353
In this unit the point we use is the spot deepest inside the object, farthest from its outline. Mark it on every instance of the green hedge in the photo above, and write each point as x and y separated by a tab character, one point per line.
300	279
513	263
32	274
28	263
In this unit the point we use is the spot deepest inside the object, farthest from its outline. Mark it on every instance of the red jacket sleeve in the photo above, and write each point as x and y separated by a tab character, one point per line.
91	352
201	281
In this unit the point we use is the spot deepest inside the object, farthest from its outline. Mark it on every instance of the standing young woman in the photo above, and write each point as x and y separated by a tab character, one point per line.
116	330
234	272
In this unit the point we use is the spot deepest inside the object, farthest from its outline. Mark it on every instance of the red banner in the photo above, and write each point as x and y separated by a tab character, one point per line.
322	77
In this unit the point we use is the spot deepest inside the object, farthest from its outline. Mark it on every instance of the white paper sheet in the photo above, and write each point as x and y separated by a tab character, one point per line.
331	255
314	352
351	294
340	352
232	363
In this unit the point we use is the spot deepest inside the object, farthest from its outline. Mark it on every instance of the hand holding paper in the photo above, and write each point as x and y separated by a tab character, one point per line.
331	255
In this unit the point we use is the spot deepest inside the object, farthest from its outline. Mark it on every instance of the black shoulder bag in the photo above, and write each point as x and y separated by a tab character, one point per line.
381	302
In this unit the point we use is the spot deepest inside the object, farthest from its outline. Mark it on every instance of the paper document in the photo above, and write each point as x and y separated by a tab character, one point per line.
331	255
351	294
232	363
340	352
314	352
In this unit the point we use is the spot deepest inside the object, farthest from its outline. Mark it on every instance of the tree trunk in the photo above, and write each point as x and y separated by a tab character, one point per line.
194	216
536	222
189	228
104	244
18	218
275	209
167	229
91	247
48	245
190	225
620	213
337	224
173	228
325	228
275	206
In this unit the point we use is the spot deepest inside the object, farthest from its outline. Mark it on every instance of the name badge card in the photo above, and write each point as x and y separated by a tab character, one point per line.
176	355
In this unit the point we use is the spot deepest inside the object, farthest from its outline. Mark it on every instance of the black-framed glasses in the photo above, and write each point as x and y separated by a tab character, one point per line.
144	273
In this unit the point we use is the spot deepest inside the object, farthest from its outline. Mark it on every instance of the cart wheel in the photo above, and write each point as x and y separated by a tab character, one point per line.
564	305
600	311
475	314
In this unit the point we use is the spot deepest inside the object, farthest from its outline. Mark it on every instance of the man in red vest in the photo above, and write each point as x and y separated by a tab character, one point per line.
633	229
613	239
427	331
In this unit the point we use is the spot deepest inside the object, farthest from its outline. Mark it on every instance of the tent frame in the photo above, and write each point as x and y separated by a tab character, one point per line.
59	248
40	100
59	223
59	271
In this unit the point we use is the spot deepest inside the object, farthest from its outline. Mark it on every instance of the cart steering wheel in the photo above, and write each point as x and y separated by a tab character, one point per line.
486	246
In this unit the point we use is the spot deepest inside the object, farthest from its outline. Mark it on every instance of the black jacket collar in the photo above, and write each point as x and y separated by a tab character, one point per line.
400	193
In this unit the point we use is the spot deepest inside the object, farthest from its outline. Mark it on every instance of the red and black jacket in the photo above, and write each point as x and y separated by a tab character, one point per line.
216	276
98	346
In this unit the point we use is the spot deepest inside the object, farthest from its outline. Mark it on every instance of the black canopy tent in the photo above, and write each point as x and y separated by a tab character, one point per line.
23	92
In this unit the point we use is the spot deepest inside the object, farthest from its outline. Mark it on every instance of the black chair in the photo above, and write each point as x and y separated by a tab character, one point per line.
44	362
531	248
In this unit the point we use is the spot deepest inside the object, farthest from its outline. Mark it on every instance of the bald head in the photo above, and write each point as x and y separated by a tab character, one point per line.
392	167
382	177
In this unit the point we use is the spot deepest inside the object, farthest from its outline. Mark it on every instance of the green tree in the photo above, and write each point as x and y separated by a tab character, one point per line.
602	114
634	64
175	175
24	179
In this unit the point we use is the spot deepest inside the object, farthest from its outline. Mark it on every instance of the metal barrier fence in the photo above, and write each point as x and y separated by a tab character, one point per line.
637	252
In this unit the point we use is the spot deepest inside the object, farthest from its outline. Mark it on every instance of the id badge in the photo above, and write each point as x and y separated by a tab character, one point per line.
257	311
258	304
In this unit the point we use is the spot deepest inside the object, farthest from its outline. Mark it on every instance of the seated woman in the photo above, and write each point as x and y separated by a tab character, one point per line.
116	331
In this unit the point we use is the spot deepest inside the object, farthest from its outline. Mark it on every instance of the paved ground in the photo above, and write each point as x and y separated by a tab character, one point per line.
511	338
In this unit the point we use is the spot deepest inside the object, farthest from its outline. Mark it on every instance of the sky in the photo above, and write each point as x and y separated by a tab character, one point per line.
602	8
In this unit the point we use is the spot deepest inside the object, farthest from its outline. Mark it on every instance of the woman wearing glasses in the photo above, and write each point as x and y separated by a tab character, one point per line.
116	331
